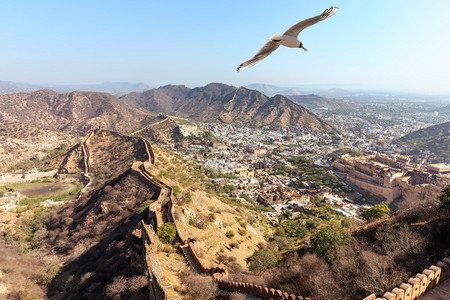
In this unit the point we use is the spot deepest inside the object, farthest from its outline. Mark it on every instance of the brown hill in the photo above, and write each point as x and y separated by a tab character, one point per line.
434	139
110	153
76	112
432	131
93	236
315	101
219	102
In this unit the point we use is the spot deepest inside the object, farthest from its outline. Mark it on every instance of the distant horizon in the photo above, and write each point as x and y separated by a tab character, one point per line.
308	88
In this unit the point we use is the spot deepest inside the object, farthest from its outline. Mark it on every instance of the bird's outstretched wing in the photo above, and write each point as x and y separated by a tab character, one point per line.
268	48
297	28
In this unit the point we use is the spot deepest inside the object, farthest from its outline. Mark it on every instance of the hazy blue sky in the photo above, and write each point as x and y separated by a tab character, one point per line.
383	44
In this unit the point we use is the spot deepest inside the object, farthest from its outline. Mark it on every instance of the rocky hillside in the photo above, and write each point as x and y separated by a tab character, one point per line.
76	112
110	153
432	131
219	102
315	101
434	139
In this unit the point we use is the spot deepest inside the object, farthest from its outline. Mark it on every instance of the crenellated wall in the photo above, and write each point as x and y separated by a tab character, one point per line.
419	284
149	150
256	290
86	154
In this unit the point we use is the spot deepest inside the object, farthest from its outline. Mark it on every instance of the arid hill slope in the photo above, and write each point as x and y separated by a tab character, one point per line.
76	112
219	102
110	153
434	139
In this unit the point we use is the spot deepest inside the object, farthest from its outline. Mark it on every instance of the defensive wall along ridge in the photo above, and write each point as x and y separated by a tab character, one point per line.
420	284
187	245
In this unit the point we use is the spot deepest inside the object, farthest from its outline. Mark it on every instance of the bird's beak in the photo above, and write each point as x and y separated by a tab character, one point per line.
303	48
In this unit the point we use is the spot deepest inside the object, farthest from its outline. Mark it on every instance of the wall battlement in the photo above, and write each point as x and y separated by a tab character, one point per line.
419	284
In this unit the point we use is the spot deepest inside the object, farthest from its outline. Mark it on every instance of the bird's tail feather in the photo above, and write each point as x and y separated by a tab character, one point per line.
275	37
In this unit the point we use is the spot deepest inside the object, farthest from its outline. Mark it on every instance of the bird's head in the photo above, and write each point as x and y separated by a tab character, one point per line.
301	46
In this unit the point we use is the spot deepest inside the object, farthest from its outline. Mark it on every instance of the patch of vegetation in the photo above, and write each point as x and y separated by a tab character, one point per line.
229	234
242	231
305	170
167	233
326	240
292	229
444	199
200	221
375	212
261	260
146	205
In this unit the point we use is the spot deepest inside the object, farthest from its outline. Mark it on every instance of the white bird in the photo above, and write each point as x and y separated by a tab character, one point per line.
288	39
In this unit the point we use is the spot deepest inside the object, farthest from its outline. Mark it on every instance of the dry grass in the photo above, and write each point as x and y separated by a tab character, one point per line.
19	274
211	240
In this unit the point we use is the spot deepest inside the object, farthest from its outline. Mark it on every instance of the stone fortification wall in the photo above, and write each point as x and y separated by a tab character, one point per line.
149	150
157	283
155	215
423	193
256	290
419	284
86	154
388	194
343	168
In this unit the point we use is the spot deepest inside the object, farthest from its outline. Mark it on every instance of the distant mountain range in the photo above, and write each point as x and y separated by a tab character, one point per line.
228	104
114	88
316	102
272	90
435	139
8	87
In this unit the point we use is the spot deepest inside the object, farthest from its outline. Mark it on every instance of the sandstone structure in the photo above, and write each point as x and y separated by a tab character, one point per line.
391	180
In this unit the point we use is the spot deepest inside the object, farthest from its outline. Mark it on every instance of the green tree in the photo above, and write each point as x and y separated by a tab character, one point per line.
167	233
444	198
311	224
347	222
375	212
261	260
325	241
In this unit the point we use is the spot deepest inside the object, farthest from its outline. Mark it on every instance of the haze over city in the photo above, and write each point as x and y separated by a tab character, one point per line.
387	45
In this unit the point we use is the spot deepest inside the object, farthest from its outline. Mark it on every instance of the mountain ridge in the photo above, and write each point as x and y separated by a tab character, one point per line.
75	112
228	104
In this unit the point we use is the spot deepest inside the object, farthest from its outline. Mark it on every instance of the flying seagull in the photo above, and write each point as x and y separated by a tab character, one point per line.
288	39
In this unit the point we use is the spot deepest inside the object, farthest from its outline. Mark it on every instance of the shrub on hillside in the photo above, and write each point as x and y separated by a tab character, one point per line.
328	239
199	221
444	198
229	234
375	212
167	233
199	286
261	260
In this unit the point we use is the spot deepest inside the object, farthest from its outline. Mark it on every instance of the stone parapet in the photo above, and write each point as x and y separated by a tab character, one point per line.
420	284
